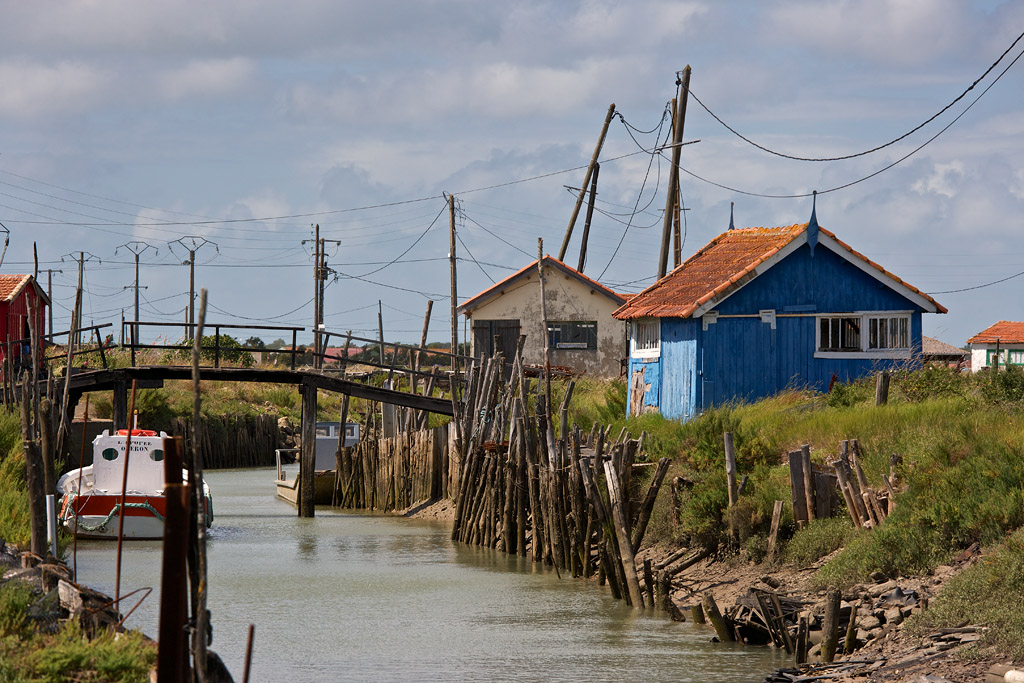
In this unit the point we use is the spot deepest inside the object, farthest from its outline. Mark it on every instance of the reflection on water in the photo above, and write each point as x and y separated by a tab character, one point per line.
366	597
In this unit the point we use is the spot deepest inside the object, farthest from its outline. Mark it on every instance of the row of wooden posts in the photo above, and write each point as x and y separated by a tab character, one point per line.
230	441
574	502
814	487
393	473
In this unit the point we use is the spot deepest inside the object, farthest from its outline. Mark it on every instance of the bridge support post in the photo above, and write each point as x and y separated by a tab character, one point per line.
119	405
307	456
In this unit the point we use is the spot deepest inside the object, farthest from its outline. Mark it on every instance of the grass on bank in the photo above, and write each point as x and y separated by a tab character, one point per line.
27	654
991	592
959	437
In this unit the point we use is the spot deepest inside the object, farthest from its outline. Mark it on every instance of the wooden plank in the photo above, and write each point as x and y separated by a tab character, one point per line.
622	535
805	459
773	535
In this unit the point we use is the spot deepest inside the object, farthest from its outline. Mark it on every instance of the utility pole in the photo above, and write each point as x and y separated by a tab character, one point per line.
455	296
319	284
191	244
586	181
673	179
590	216
316	295
136	247
76	319
320	307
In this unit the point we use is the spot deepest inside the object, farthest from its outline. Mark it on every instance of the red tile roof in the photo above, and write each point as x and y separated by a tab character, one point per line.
1004	332
549	261
724	265
11	285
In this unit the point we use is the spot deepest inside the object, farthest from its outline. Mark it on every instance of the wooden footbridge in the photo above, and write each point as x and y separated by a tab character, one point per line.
405	361
307	379
153	376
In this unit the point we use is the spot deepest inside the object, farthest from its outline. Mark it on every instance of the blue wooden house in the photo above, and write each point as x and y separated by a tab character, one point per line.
758	310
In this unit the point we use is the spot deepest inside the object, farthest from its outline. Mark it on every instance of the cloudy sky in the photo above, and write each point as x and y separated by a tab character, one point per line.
237	125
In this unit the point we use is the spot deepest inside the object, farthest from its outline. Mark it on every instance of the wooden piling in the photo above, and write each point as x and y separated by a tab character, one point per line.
719	622
830	626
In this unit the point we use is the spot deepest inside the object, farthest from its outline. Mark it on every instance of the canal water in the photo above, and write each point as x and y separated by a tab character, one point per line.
366	597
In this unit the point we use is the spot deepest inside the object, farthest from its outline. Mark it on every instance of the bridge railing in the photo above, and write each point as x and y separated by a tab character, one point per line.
18	350
410	364
131	331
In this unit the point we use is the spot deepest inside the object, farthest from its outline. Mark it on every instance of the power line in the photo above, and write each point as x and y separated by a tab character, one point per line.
639	195
987	284
870	175
501	239
473	258
873	149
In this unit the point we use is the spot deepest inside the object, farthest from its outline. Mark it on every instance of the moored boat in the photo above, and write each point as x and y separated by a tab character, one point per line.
91	496
327	434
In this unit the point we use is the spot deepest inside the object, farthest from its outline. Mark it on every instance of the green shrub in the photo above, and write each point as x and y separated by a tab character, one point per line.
231	351
819	538
990	593
15	599
929	382
70	656
14	517
846	394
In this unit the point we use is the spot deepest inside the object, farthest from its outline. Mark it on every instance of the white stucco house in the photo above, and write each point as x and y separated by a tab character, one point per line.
582	333
1004	340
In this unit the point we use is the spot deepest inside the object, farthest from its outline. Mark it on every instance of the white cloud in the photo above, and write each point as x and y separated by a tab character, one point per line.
207	77
901	32
945	179
31	89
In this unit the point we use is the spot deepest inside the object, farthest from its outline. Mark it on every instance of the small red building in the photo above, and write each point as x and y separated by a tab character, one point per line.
20	296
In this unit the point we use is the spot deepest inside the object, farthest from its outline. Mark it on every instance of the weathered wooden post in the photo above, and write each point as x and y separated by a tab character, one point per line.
119	404
713	614
830	626
34	474
622	534
307	457
797	485
882	388
172	654
730	473
773	535
805	459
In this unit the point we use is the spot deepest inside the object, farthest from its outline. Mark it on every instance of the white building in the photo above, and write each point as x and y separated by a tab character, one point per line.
1004	340
582	333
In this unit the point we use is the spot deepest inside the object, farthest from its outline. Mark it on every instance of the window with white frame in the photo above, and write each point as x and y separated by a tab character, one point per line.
645	338
864	335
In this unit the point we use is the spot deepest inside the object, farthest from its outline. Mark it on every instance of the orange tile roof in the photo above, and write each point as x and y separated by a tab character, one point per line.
1004	332
11	285
724	265
494	289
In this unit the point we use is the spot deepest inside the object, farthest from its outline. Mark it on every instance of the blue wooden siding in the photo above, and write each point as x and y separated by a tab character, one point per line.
652	376
743	359
680	367
827	282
